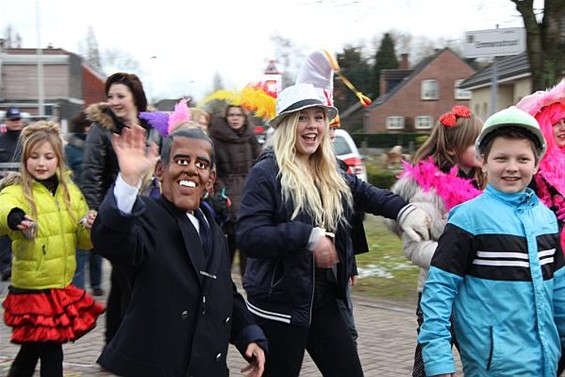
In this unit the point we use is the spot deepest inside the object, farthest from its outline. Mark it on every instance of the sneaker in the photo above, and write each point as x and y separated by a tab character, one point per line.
98	292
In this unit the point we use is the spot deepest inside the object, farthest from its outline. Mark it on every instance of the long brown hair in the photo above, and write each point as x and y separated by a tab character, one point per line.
447	143
34	135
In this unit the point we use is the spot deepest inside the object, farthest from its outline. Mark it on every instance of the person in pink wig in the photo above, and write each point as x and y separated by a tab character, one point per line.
548	107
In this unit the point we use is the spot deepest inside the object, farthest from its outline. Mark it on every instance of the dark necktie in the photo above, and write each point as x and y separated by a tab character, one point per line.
204	233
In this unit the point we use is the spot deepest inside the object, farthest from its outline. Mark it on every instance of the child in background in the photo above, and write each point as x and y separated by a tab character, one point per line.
498	267
46	217
74	155
445	173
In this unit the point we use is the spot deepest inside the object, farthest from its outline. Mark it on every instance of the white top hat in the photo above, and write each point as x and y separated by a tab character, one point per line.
299	97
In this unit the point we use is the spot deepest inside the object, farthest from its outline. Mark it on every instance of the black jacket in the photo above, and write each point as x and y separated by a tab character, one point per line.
279	279
236	151
9	147
100	165
183	312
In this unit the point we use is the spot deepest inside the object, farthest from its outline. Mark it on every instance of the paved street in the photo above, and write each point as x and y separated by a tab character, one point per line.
386	343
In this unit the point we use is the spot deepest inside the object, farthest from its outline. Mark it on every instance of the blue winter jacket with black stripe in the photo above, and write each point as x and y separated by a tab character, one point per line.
499	267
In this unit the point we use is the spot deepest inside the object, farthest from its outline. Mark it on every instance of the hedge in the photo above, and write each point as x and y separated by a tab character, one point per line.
382	179
387	139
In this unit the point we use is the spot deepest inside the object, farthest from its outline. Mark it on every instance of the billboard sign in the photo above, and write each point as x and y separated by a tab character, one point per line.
495	42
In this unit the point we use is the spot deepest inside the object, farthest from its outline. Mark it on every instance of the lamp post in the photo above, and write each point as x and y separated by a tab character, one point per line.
40	81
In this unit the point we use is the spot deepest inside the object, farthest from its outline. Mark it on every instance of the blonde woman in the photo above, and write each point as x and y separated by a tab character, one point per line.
294	226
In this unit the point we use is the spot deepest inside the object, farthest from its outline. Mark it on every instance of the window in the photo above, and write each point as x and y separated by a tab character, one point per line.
461	93
395	123
430	90
423	122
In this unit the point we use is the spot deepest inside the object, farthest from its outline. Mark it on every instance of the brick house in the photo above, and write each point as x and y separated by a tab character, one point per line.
412	99
70	84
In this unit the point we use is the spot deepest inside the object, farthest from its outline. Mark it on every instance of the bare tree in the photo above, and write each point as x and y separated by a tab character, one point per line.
545	41
288	57
116	60
217	82
92	54
12	38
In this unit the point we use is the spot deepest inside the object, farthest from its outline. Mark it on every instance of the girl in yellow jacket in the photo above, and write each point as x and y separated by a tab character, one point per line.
47	218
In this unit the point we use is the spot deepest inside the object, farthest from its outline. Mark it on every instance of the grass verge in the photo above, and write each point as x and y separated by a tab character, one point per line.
384	272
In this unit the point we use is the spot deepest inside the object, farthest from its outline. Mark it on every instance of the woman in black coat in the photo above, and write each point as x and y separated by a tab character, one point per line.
125	100
294	225
237	149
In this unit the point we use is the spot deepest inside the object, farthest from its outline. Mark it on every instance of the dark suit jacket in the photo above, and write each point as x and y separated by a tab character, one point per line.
183	311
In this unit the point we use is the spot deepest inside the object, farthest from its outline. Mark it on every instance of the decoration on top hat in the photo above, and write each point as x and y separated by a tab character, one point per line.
318	70
257	98
336	122
164	122
449	119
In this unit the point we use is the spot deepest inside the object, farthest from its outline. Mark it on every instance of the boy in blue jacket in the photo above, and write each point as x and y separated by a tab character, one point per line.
498	267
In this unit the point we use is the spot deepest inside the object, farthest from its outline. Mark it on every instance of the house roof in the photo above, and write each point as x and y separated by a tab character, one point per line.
413	72
507	68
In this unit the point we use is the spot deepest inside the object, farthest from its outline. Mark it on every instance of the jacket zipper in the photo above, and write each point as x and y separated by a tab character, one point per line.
491	348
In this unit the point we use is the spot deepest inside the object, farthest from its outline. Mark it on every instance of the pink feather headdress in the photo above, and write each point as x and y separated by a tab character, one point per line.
166	123
548	107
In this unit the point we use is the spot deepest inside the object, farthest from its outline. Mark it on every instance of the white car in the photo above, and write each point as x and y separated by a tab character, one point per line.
346	150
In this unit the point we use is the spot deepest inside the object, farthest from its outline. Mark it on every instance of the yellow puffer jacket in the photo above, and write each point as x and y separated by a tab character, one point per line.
48	261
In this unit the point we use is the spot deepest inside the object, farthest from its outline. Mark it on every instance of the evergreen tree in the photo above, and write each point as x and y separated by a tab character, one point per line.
385	58
358	70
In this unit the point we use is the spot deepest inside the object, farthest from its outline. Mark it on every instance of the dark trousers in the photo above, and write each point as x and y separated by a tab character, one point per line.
5	257
418	368
327	340
118	300
50	353
346	310
229	231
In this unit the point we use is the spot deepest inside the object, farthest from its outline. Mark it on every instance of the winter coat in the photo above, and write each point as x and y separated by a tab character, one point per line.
420	252
100	165
9	149
428	195
499	269
74	154
47	261
236	151
279	279
182	312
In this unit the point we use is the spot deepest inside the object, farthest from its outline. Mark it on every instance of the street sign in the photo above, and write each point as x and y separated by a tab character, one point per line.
494	42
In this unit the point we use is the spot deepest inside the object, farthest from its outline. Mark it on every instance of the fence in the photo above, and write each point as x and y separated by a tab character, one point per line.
6	167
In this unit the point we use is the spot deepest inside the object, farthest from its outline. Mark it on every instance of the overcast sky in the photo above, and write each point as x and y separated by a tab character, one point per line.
180	44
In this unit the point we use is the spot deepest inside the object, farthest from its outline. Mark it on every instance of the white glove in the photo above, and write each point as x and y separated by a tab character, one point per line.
415	222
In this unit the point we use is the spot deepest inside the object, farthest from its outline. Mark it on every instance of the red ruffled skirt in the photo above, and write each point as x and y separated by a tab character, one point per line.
57	315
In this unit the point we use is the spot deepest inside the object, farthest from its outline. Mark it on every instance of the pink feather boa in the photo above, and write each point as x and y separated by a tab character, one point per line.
453	190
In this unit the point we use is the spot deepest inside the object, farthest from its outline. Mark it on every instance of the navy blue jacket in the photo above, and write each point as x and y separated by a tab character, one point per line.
279	279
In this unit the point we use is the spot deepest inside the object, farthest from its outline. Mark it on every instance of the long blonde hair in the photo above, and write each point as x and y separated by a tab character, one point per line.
31	136
315	186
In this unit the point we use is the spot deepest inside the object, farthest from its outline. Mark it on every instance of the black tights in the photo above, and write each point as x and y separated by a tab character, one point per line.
50	353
